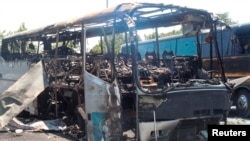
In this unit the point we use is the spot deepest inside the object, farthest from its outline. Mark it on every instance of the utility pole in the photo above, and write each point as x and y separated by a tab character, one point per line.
107	3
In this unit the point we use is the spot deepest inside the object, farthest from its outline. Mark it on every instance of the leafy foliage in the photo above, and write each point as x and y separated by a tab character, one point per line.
21	28
2	34
15	47
225	17
119	40
222	16
152	35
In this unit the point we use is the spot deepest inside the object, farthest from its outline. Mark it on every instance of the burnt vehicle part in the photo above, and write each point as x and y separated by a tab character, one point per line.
11	71
104	96
235	61
240	96
17	97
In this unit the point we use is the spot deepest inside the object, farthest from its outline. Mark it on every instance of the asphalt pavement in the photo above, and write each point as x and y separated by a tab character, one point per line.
34	136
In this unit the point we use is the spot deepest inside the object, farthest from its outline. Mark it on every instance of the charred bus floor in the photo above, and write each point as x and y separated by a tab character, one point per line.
102	95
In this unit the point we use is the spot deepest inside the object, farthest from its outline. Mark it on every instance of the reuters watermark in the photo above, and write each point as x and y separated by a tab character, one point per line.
241	132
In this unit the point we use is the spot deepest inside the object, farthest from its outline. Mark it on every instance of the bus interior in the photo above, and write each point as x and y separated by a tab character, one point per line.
233	42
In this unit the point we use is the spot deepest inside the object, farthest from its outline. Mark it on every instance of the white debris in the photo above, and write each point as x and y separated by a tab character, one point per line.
19	131
53	125
129	134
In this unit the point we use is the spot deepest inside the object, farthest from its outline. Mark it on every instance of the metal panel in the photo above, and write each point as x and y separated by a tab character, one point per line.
18	96
103	109
10	72
153	131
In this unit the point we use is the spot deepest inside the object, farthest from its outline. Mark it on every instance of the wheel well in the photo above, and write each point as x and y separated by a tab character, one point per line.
236	92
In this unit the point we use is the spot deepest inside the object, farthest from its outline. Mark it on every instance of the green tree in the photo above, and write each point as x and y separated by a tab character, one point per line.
119	40
225	17
152	35
3	33
23	45
149	36
21	28
173	32
222	16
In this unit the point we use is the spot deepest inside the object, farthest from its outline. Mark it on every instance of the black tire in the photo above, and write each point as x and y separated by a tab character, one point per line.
243	103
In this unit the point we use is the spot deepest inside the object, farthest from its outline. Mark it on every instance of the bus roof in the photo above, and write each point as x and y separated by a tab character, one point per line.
119	12
241	28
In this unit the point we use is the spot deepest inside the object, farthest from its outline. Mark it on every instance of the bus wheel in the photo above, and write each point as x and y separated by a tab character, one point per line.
243	103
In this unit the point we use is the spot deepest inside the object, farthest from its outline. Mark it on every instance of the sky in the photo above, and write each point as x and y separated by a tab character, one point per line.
38	13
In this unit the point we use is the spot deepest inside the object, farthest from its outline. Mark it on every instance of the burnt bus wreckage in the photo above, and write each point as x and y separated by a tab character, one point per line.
118	97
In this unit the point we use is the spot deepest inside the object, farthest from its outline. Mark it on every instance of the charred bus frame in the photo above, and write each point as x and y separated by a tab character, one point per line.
120	97
233	42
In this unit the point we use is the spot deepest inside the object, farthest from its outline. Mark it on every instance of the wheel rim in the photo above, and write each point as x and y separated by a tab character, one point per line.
242	102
